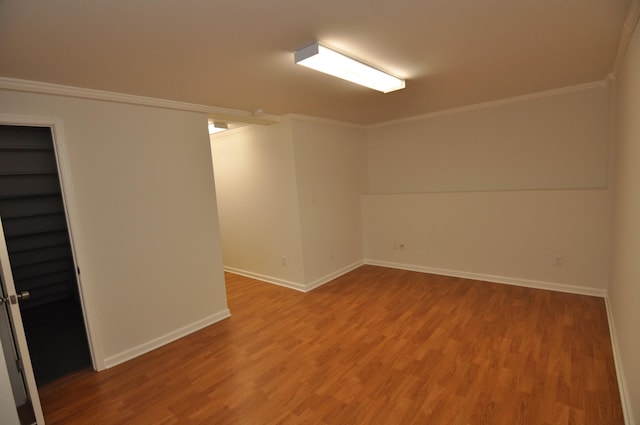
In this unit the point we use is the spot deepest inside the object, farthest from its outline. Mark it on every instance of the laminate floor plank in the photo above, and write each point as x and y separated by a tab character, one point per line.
375	346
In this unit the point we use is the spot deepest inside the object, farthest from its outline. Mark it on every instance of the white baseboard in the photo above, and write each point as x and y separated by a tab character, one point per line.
622	383
294	285
165	339
559	287
328	278
268	279
551	286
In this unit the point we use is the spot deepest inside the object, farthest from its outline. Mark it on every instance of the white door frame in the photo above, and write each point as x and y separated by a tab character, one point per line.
8	403
73	224
11	356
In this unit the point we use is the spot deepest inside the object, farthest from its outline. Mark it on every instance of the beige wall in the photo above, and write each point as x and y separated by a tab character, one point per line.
624	289
313	172
257	201
504	236
482	205
290	190
146	228
548	141
331	175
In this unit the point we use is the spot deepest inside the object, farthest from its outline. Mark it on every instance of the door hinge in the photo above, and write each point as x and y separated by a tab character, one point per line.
19	365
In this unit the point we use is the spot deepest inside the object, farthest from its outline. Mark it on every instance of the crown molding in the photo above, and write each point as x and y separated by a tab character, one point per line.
492	103
321	120
629	26
223	114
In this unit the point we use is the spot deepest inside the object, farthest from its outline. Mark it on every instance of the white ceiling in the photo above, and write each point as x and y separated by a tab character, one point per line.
239	53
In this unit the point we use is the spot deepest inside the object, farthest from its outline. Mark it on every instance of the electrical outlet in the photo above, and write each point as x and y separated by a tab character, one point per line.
558	261
283	261
401	246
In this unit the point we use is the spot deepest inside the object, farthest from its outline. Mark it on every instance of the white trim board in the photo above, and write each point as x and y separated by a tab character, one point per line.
331	276
550	286
310	118
622	383
633	14
267	279
165	339
493	103
295	285
225	114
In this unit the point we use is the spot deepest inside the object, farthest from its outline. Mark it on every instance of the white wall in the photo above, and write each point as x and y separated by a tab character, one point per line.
291	190
146	229
331	174
624	289
501	190
504	236
549	141
257	198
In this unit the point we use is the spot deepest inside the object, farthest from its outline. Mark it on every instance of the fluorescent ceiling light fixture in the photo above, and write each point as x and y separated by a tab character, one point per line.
217	127
323	59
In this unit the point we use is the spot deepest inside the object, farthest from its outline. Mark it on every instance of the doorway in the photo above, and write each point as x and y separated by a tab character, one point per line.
37	238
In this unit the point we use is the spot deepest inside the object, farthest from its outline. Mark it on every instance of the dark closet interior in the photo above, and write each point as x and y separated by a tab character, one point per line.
37	238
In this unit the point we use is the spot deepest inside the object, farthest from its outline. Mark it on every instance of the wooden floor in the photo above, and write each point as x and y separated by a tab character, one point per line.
376	346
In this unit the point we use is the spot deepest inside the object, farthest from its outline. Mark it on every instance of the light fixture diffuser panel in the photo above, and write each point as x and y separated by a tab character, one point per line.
323	59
